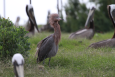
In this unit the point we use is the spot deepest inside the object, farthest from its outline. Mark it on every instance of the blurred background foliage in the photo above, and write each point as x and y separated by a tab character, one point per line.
76	15
12	39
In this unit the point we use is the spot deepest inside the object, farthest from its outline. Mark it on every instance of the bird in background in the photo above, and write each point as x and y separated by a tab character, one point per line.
17	21
87	32
108	42
31	25
48	47
18	63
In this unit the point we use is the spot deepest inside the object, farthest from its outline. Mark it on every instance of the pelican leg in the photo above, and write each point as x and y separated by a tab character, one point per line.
37	60
44	60
49	61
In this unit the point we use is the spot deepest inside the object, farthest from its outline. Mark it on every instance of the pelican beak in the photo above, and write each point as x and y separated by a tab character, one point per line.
90	16
18	70
111	12
58	18
108	8
32	18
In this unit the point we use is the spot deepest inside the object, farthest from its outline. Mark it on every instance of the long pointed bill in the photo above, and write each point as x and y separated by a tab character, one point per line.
20	70
59	19
32	17
111	10
90	16
108	9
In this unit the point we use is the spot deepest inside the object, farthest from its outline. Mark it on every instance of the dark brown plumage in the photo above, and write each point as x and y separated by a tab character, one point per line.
48	47
87	32
109	42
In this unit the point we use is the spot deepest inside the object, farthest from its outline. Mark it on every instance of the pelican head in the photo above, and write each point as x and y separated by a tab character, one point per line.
30	13
18	63
111	11
54	18
90	16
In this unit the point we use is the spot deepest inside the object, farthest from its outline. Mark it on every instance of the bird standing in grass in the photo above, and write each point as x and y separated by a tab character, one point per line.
32	21
18	63
109	42
48	47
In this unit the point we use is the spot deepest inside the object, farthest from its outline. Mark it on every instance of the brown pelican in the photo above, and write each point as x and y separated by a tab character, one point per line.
109	42
87	33
18	63
32	20
48	47
17	21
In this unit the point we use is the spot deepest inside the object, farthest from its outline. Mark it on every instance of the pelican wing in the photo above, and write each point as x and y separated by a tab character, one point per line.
40	43
45	47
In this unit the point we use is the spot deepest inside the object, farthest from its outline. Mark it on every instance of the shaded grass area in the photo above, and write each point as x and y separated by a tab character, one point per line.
72	60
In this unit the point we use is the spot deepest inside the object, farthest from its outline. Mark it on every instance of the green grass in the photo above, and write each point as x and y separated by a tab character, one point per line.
72	60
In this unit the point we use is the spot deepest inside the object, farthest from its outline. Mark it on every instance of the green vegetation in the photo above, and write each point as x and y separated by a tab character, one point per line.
12	39
72	60
77	14
101	16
